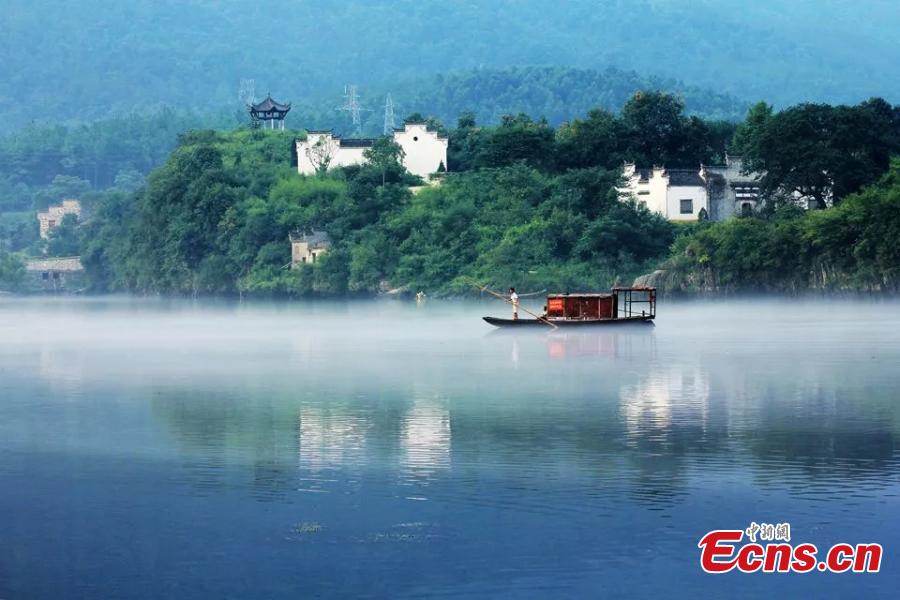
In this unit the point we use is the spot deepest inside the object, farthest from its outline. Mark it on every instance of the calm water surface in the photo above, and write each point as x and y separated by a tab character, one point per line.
377	450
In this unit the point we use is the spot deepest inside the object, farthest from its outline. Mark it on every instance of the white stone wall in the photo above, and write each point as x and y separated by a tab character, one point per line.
71	264
425	150
54	215
340	157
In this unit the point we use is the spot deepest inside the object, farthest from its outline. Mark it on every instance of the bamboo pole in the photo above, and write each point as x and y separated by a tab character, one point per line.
484	288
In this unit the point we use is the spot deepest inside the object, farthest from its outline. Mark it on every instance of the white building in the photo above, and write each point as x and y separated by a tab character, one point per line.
53	216
425	150
719	192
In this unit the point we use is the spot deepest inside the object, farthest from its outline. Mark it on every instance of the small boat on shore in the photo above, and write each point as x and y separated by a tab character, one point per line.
622	306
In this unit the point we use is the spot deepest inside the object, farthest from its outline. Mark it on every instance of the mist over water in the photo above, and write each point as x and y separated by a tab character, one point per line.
379	449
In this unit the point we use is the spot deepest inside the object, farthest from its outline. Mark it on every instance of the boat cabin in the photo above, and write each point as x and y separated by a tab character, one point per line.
621	306
622	302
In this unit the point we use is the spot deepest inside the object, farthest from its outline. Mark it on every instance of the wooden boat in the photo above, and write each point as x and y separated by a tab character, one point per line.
622	306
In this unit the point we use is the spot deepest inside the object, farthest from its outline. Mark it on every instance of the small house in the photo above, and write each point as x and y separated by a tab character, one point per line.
55	274
306	248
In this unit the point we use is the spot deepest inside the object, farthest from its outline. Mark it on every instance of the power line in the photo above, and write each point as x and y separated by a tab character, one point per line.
389	115
247	91
352	105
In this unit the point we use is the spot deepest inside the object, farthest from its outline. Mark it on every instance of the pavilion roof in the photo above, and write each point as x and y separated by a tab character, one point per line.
269	105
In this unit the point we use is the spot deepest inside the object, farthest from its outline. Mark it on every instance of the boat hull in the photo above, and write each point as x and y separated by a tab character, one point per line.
497	322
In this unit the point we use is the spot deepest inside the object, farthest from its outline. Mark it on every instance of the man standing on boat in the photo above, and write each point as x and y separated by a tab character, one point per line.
514	300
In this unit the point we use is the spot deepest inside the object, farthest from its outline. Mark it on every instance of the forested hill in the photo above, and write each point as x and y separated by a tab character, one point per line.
97	152
63	60
522	202
557	94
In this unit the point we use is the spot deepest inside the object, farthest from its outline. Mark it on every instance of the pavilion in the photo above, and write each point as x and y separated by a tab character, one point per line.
268	110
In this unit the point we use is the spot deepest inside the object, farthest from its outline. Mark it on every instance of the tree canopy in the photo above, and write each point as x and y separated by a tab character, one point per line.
820	151
521	202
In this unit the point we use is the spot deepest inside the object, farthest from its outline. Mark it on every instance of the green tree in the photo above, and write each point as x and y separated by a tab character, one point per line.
65	239
518	138
384	155
747	134
598	140
817	151
654	124
12	272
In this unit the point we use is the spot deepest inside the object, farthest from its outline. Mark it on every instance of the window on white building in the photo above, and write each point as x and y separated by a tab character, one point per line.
687	206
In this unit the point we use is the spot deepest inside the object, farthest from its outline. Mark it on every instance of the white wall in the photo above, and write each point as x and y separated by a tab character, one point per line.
651	193
675	194
424	149
340	157
304	164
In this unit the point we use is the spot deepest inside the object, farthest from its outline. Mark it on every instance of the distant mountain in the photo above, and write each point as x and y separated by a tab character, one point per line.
556	93
63	60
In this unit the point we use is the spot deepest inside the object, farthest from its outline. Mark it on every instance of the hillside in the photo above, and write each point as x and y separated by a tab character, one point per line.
850	248
86	60
523	202
97	152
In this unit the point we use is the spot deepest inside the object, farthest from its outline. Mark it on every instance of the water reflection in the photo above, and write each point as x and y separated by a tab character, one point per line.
495	446
329	439
425	440
563	345
665	397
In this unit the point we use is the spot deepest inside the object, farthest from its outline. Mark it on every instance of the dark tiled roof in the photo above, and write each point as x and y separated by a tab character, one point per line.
269	105
356	142
314	238
684	178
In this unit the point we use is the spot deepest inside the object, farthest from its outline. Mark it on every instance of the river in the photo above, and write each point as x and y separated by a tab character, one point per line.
182	449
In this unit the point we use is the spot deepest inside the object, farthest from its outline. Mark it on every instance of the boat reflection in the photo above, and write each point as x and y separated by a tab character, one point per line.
629	343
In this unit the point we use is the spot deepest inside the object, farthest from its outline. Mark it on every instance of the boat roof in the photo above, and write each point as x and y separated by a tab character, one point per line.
602	294
580	295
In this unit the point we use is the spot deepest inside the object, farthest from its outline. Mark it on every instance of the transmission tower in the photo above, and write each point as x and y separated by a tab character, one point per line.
247	91
389	115
351	105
